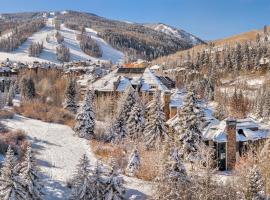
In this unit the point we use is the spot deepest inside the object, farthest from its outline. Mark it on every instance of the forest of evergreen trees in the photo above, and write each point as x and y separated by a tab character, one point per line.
20	34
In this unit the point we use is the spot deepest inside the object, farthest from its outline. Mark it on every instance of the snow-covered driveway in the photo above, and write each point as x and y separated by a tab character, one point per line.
58	152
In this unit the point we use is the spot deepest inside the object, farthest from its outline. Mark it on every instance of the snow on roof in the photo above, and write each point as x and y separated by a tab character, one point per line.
217	132
155	67
148	81
102	83
123	84
177	98
151	82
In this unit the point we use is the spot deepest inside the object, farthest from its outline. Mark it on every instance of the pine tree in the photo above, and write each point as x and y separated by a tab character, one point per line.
30	174
85	119
255	185
114	189
12	186
70	96
82	187
173	181
99	182
31	89
28	90
190	132
135	123
155	130
118	128
134	163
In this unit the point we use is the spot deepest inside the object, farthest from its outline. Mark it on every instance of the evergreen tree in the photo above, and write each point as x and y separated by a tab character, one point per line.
134	163
70	96
118	129
155	130
135	123
114	189
82	187
255	185
30	175
12	186
173	181
85	119
28	90
190	132
99	182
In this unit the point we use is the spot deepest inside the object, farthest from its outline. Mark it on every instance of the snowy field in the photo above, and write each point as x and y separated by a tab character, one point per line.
58	152
49	52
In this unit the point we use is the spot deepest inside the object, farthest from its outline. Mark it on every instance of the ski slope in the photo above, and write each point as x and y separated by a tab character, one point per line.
49	52
58	151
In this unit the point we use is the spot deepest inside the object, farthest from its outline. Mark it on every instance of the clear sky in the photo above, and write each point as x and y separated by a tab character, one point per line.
208	19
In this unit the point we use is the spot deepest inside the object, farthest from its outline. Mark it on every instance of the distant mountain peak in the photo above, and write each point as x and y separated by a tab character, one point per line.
176	32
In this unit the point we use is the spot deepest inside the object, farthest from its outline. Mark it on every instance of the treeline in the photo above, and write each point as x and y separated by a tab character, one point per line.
20	35
63	53
89	46
134	39
35	49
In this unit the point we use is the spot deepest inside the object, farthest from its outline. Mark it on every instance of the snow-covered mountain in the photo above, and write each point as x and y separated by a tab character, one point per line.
176	32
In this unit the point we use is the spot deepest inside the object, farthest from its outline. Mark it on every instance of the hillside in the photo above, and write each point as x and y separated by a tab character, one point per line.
241	38
134	39
114	37
46	36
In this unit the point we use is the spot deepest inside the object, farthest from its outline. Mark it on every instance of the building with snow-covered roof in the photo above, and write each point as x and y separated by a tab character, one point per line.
230	138
144	80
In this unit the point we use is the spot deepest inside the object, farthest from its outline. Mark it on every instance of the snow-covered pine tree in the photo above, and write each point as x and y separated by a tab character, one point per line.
191	120
9	163
98	182
70	96
11	185
85	119
255	190
134	163
173	180
82	187
30	175
118	128
135	123
155	129
114	189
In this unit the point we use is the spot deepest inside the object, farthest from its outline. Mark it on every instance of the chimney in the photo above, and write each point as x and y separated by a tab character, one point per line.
231	143
166	101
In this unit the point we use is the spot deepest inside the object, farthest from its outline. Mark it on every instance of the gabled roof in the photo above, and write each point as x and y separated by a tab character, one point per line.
148	82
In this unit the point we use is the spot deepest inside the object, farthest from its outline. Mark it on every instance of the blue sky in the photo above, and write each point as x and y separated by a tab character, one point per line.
208	19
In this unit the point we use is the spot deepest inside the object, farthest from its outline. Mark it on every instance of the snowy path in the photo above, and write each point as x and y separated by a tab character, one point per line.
58	152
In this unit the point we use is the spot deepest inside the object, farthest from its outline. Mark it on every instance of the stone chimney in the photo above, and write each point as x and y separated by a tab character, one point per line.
231	143
166	101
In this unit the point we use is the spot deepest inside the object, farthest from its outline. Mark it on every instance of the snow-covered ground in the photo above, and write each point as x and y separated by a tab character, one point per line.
58	152
108	52
49	52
